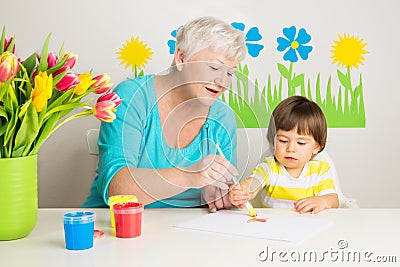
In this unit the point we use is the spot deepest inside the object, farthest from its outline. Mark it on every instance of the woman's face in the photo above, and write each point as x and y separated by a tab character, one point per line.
208	74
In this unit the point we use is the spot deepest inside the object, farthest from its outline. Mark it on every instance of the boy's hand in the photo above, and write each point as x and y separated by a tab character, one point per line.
239	195
316	204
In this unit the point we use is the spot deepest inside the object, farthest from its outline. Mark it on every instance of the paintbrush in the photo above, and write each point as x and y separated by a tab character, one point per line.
251	210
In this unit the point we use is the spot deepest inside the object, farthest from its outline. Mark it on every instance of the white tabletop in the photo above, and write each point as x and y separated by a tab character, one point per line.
368	235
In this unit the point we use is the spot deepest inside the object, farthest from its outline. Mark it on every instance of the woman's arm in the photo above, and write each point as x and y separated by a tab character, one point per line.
151	185
127	181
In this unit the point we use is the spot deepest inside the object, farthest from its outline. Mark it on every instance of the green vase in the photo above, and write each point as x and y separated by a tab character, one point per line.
18	196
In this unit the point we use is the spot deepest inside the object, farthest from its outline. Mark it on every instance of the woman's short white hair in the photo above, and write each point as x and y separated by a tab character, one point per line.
212	33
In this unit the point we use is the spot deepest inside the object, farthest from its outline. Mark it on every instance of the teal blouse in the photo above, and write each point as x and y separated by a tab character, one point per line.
135	139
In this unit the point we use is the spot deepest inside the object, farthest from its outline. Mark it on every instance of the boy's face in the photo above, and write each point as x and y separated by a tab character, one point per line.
293	150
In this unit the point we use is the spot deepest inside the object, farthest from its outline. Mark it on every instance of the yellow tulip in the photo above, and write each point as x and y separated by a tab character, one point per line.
42	90
85	81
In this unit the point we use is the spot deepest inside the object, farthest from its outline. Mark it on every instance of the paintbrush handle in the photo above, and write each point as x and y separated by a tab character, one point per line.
249	207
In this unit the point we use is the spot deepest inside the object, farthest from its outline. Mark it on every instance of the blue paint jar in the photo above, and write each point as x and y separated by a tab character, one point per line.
79	229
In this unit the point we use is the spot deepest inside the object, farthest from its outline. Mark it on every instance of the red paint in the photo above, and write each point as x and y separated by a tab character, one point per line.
257	220
98	234
128	219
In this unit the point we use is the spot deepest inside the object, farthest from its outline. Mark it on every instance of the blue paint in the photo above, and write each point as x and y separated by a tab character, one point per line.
79	230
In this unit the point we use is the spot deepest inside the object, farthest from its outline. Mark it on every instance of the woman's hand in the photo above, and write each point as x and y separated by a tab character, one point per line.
212	170
216	198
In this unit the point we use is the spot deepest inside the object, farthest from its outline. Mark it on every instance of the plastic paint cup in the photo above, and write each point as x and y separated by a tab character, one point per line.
119	199
128	219
79	229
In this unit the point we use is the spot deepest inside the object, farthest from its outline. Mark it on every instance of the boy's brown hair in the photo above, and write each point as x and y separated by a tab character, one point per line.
298	111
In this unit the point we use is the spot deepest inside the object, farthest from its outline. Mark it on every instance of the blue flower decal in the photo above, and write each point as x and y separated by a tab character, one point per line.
252	35
171	43
296	44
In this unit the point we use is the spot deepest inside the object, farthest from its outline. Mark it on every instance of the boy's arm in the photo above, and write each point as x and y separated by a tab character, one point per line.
317	204
244	191
254	186
332	200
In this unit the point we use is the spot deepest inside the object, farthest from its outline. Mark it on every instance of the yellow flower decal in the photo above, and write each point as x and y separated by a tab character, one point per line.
348	51
85	81
42	90
134	53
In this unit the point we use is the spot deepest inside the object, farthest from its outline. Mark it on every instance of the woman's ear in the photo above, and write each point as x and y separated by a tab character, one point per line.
179	58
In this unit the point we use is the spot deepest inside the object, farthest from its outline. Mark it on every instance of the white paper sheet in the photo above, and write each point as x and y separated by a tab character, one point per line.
287	228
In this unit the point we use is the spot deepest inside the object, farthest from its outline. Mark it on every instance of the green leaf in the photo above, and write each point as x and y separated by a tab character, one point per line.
60	53
10	45
10	100
27	133
66	95
28	83
357	92
10	128
58	77
246	71
283	71
75	116
30	64
65	107
57	67
298	80
43	57
2	40
3	113
4	88
344	80
3	126
24	108
46	130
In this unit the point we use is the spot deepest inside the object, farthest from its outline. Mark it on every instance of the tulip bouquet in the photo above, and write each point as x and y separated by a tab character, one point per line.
40	93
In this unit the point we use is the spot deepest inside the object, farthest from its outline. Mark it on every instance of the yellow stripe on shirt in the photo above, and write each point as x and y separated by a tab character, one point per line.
317	167
287	193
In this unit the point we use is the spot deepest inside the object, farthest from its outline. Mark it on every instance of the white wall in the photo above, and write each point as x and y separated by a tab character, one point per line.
366	159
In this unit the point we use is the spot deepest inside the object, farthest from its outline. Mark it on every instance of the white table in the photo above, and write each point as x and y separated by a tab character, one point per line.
370	233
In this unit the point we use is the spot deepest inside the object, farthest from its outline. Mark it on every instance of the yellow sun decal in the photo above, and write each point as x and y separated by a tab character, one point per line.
134	53
348	51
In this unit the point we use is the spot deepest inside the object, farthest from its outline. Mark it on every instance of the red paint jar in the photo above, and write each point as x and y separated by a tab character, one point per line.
128	219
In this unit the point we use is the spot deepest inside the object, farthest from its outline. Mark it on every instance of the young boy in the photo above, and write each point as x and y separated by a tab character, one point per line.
290	177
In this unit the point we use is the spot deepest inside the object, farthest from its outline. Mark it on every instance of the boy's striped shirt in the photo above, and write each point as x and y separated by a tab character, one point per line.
281	190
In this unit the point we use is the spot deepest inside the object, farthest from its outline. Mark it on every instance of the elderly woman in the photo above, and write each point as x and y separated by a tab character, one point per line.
161	146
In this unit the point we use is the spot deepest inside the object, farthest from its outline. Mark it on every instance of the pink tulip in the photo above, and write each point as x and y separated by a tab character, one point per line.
106	106
110	97
7	44
102	84
69	81
9	66
72	58
52	59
